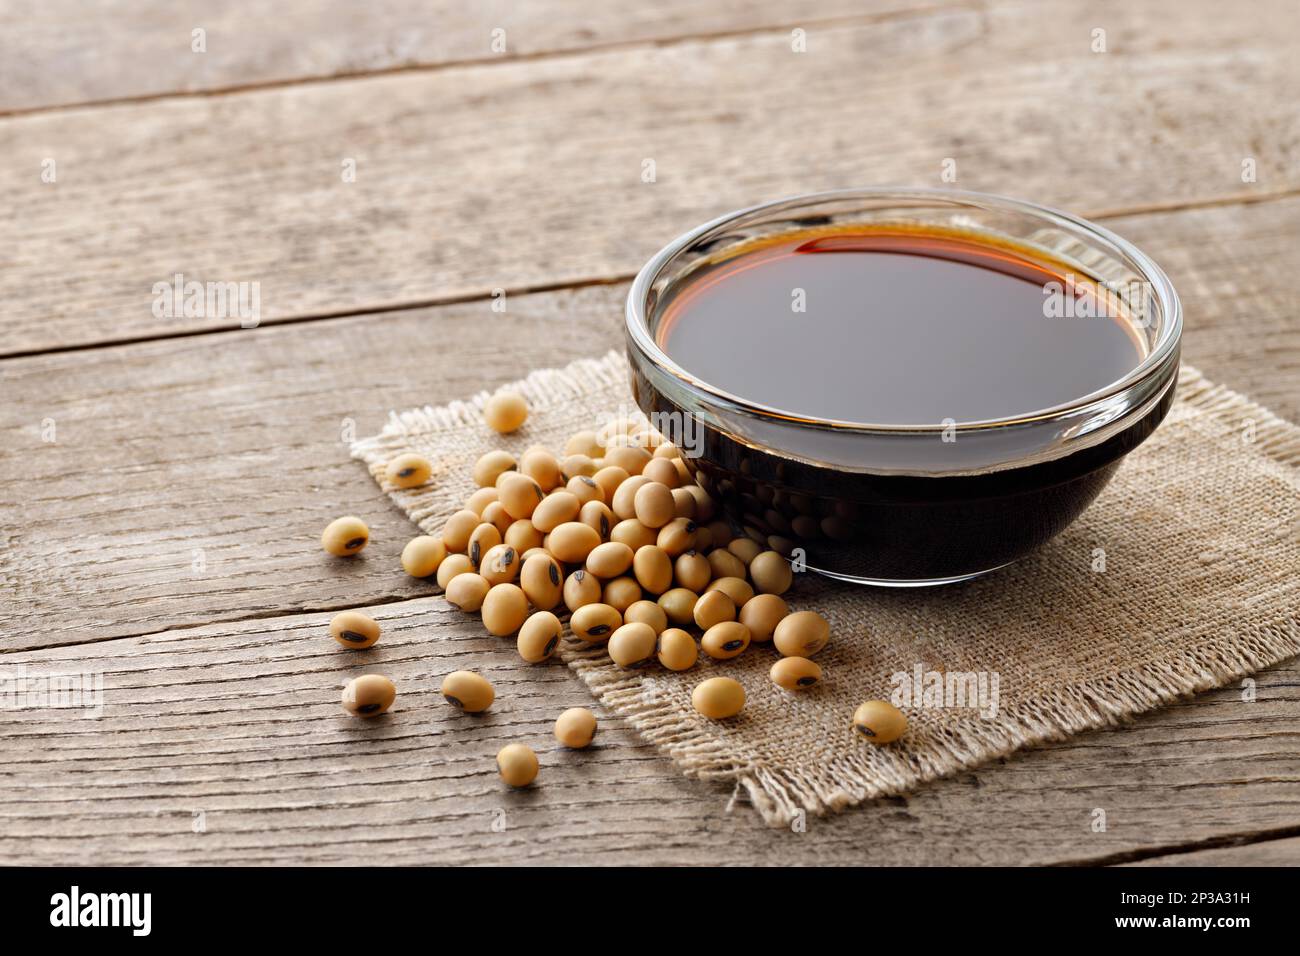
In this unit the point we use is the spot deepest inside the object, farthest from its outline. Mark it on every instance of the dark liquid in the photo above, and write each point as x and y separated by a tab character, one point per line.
901	327
896	329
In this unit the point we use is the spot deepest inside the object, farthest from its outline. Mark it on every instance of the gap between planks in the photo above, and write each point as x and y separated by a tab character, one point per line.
610	46
1102	215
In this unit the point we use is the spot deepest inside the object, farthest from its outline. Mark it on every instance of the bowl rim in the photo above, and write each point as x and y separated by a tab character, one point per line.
637	324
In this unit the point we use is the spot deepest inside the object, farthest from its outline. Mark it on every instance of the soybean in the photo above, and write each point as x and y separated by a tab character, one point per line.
679	605
572	541
692	571
542	580
703	540
761	614
453	565
746	549
505	412
482	540
584	443
495	514
621	593
630	459
737	589
500	565
520	495
581	589
677	649
597	516
713	607
879	721
468	691
678	537
492	466
609	560
771	573
479	500
345	536
369	695
725	640
594	623
653	504
683	502
554	510
726	565
456	532
633	534
407	471
522	535
801	634
577	466
718	698
422	556
646	612
539	636
541	466
663	471
466	592
354	629
609	478
504	609
795	673
518	764
584	489
624	500
653	568
575	727
704	506
721	533
631	644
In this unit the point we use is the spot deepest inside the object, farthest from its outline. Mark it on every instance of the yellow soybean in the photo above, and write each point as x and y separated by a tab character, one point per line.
345	536
408	471
369	695
575	727
517	764
718	698
354	629
470	692
422	555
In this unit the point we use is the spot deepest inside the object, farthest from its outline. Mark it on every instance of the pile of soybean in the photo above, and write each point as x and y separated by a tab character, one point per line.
614	530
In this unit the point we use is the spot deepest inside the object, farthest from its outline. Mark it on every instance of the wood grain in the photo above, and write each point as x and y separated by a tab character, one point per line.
190	478
241	723
62	52
162	499
1279	852
528	175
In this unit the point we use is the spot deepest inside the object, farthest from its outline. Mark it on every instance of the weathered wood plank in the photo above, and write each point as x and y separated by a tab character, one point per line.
529	175
61	52
1284	852
241	723
190	478
216	461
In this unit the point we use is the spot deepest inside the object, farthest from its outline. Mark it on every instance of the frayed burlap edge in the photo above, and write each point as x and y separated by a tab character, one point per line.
779	794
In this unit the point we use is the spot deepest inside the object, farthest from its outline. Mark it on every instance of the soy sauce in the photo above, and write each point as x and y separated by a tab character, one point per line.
896	328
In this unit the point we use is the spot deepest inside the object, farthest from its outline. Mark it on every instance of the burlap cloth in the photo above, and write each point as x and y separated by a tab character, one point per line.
1197	535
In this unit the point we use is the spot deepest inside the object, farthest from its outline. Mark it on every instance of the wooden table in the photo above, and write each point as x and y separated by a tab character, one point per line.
379	170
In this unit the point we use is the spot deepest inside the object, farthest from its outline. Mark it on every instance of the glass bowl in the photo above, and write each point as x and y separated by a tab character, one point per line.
891	504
